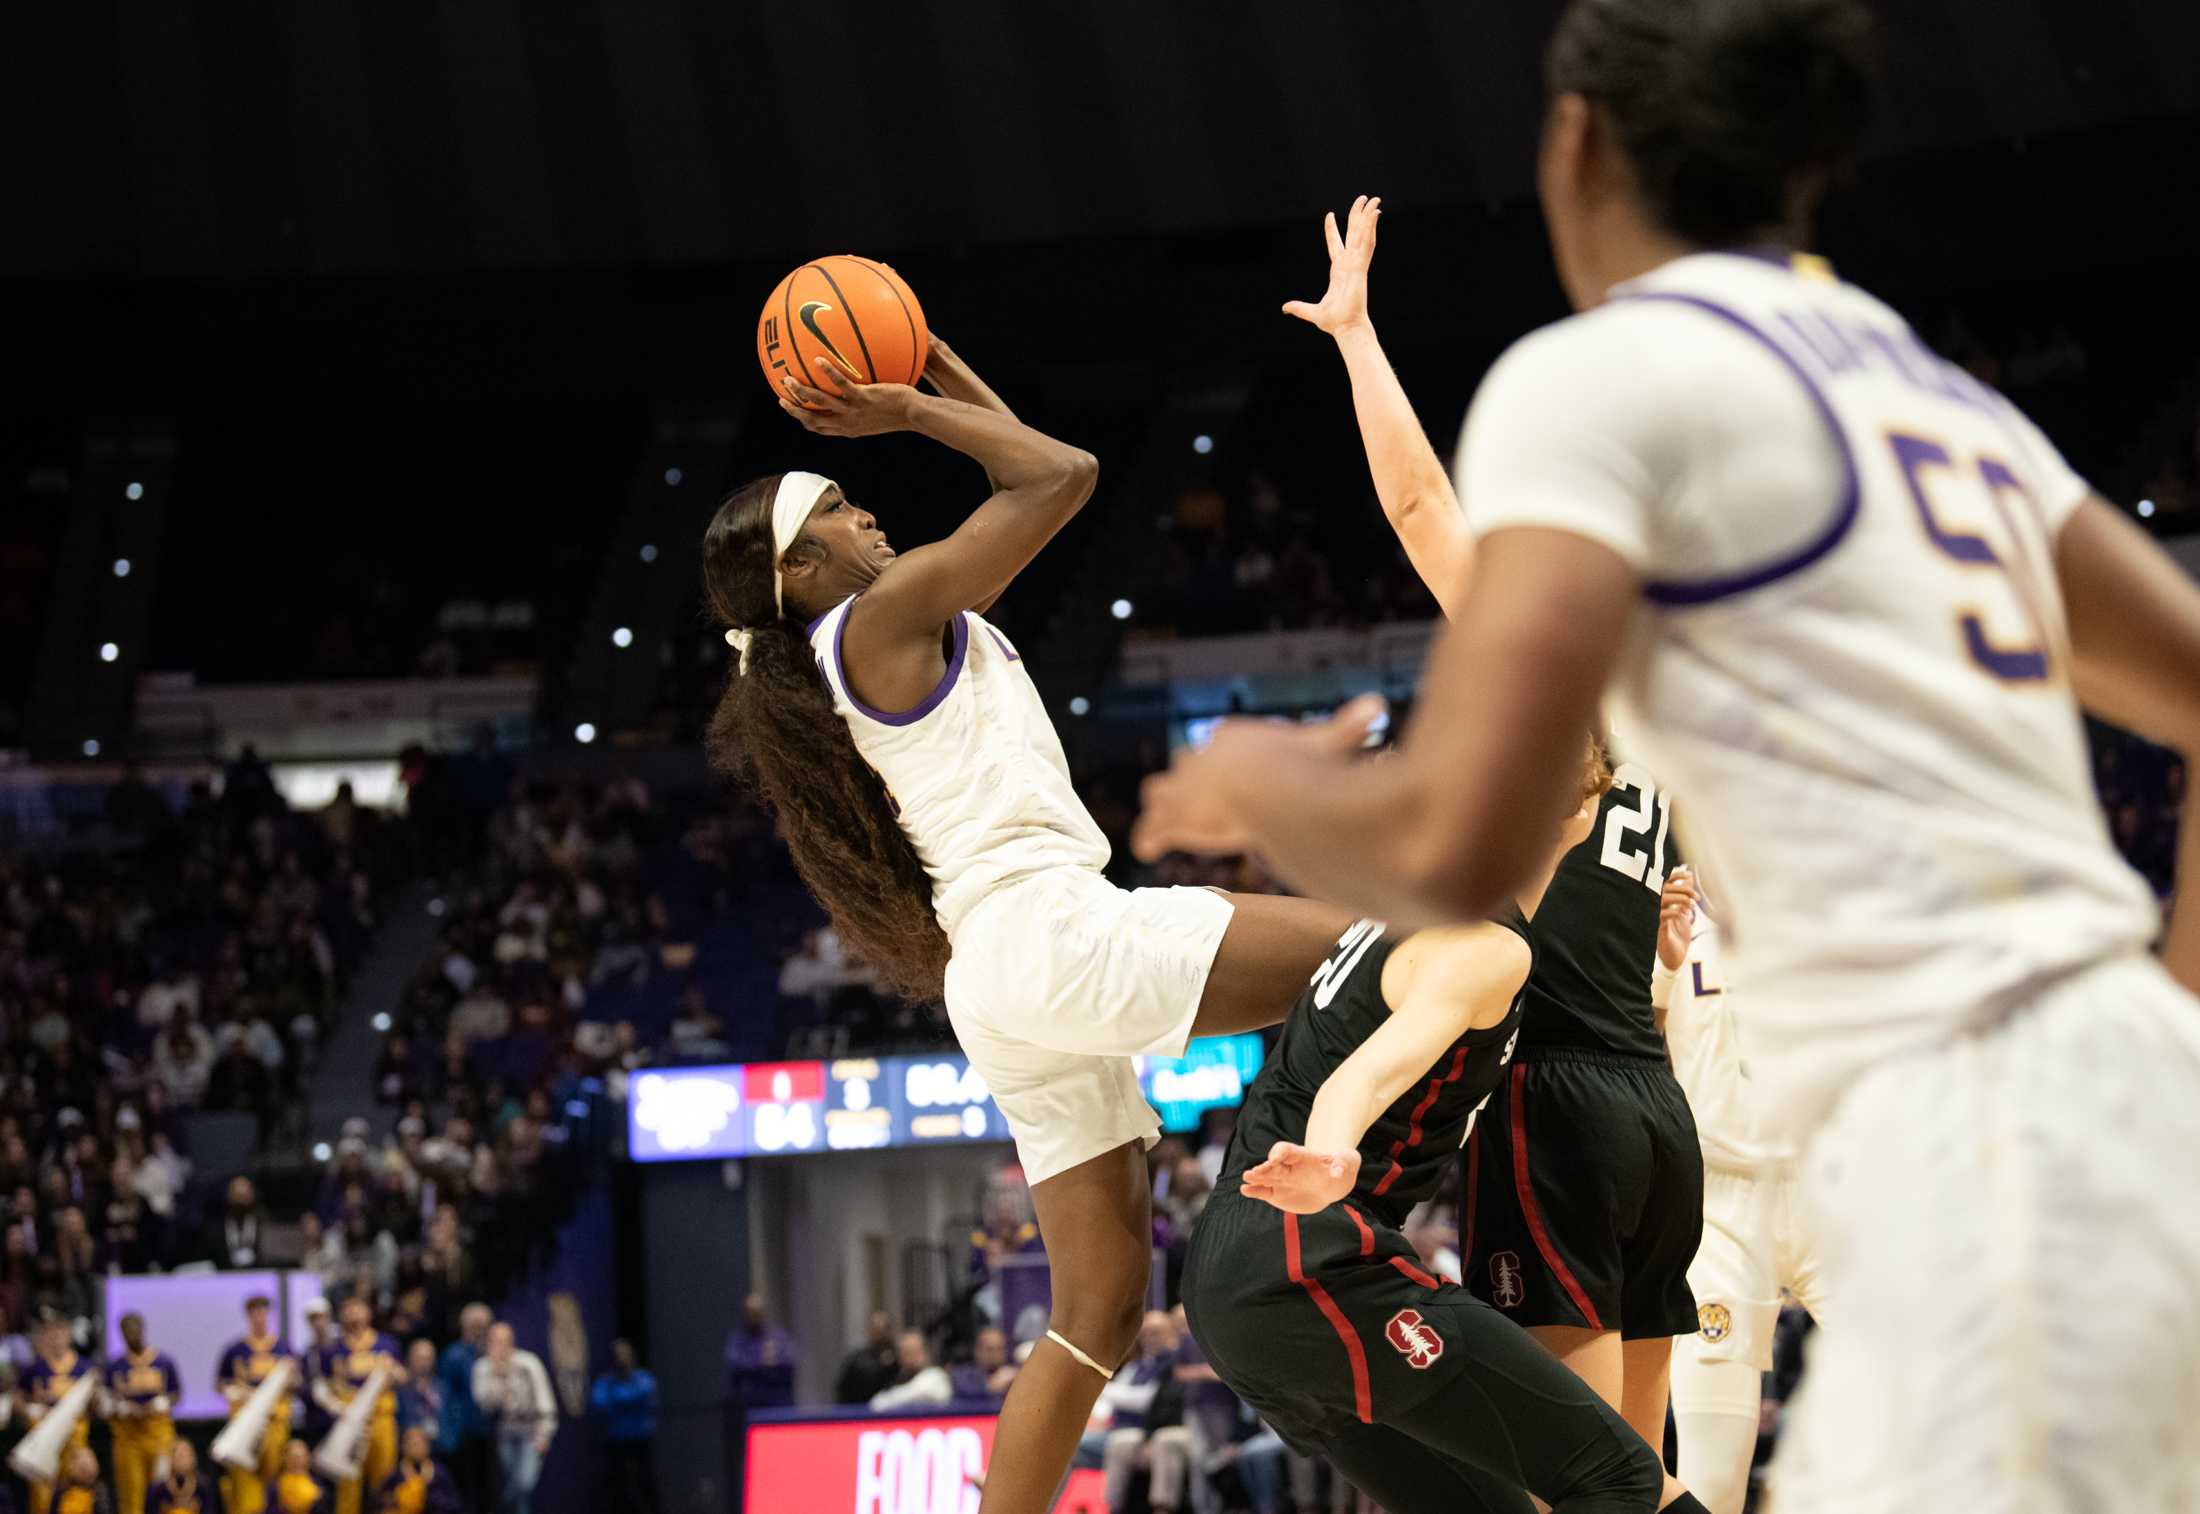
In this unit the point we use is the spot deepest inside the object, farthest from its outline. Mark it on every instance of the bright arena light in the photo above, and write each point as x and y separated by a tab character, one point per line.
108	651
1121	609
122	567
2146	509
1080	705
622	637
381	1021
91	747
1203	444
649	551
134	491
584	733
321	1152
673	477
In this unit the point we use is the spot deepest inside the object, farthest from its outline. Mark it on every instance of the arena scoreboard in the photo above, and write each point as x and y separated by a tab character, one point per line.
677	1114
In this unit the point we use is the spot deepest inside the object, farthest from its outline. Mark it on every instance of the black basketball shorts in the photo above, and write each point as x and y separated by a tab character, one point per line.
1584	1195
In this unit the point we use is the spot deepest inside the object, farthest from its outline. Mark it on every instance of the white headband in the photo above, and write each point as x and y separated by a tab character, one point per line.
791	506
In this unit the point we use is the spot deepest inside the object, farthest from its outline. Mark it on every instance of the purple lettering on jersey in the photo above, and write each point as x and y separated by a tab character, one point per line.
1839	346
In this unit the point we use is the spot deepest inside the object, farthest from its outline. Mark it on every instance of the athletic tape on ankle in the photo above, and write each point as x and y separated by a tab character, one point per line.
1058	1339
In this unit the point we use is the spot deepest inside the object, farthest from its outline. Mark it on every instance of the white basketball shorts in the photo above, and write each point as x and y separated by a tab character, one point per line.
1754	1249
1056	982
2009	1226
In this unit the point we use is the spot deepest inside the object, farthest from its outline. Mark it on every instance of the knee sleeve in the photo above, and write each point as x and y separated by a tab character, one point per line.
1716	1452
1705	1384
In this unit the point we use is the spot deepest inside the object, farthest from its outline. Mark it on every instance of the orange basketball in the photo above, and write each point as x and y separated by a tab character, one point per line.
850	307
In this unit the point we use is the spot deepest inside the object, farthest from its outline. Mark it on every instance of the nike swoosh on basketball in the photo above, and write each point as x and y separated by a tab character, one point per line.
808	316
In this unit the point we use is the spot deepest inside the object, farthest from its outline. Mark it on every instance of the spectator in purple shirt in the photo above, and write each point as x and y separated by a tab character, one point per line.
760	1359
989	1371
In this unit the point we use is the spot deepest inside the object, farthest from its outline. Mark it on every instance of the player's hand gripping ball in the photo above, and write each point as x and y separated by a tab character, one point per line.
849	309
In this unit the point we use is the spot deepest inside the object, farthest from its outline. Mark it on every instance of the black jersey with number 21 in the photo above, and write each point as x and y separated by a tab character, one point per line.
1596	931
1404	1153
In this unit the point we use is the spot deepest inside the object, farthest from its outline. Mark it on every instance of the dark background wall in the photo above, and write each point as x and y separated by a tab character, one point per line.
195	138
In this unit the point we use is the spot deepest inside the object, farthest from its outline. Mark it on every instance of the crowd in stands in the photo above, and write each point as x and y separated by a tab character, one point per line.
185	962
1251	563
180	959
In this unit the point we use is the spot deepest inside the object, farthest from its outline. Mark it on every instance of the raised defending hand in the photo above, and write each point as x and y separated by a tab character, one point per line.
850	407
1676	918
1345	304
1299	1181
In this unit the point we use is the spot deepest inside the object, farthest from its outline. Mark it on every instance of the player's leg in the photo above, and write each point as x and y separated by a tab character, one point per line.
1272	947
1406	1477
1526	1414
1646	1368
1718	1370
1657	1302
1715	1407
1096	1220
1594	1356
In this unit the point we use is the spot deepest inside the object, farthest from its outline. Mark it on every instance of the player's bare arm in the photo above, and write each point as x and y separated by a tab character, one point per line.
2135	633
1039	483
1676	928
1442	983
952	378
1458	817
1410	480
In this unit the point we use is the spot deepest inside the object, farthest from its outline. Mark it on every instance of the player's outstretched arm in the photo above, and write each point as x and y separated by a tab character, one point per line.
2135	632
1441	983
1452	823
1039	483
1410	481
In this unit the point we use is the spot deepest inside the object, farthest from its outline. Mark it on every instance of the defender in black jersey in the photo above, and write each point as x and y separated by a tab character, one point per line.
1310	1303
1584	1191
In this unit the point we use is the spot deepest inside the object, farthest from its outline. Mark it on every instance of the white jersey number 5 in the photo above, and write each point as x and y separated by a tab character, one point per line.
1624	822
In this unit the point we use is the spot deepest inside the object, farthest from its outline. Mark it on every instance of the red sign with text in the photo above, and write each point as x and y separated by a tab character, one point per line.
884	1466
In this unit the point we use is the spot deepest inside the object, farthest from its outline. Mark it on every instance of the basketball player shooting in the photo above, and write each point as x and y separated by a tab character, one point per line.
1847	596
927	803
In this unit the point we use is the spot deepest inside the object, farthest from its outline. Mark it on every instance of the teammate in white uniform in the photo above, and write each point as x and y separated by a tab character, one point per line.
925	798
1755	1249
1848	600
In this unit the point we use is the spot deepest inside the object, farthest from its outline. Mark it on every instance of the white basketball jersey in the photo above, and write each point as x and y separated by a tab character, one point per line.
976	770
1703	1032
1851	662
